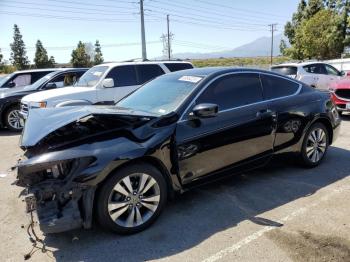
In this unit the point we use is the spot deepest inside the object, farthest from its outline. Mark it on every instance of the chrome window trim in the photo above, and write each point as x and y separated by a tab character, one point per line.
256	103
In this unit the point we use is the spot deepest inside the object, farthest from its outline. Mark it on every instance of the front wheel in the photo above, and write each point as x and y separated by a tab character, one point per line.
12	119
315	145
131	199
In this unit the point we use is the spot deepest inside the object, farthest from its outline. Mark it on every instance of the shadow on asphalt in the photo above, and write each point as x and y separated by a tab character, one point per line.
198	214
6	132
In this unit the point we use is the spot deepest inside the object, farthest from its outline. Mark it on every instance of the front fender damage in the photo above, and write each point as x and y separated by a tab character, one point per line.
61	203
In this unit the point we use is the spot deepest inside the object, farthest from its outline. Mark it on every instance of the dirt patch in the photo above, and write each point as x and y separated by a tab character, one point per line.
307	247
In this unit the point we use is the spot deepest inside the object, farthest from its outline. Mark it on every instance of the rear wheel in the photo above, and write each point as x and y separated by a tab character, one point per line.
315	145
131	199
12	119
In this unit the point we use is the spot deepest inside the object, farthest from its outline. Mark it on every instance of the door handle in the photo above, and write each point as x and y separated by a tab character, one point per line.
265	113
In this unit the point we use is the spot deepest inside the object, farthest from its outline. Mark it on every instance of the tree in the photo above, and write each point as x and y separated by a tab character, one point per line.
1	57
79	56
90	50
18	50
41	58
98	58
283	47
52	62
320	37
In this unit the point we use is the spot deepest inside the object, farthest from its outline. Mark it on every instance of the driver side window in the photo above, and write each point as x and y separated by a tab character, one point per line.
233	91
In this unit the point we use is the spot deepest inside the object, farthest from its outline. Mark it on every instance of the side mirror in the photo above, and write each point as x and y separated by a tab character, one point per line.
205	110
342	73
348	73
108	83
50	85
11	84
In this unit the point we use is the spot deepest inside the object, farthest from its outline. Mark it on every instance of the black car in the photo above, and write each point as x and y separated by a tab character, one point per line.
122	162
24	77
10	99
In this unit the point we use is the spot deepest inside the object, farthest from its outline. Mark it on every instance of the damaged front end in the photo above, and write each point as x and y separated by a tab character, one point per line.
61	203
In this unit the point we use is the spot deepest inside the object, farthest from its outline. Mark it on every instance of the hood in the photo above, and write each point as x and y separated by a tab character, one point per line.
341	84
77	122
55	93
22	90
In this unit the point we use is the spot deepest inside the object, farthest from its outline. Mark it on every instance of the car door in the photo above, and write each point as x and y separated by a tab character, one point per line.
333	75
318	74
125	81
242	131
281	94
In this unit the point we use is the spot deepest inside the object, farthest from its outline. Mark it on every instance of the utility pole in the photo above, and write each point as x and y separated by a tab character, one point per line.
272	29
169	46
143	36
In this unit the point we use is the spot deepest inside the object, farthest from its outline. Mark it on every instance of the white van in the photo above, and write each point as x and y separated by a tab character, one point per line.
102	84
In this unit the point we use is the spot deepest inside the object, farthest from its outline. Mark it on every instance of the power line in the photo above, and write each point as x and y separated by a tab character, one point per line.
66	11
62	48
66	7
89	4
239	9
211	12
72	18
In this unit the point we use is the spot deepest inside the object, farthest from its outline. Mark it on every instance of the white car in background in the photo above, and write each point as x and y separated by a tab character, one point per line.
103	84
316	74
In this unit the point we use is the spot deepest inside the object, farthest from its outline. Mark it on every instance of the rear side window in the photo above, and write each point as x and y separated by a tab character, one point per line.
123	76
233	91
178	66
275	87
315	69
148	72
22	80
37	75
285	70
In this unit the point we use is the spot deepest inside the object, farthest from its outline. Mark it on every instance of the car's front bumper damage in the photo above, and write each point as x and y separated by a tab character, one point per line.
61	203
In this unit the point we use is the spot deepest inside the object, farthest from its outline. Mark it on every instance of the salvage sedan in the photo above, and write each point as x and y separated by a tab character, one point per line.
121	163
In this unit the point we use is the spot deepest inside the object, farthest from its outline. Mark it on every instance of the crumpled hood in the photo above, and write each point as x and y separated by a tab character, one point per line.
42	122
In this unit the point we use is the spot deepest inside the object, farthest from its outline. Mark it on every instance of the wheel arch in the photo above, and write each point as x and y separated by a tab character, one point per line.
327	123
5	108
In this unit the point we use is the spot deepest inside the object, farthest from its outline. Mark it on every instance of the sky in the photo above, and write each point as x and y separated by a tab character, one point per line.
198	25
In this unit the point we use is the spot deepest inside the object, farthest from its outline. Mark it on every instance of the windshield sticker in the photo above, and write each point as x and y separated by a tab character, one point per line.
97	73
192	79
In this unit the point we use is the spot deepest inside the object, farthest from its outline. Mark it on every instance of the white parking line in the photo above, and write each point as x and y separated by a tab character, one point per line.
224	252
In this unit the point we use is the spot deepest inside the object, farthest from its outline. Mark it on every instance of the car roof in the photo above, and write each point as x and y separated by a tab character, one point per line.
212	71
113	64
48	69
301	64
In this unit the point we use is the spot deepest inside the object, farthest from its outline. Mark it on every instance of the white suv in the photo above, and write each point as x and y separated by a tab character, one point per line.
316	74
102	84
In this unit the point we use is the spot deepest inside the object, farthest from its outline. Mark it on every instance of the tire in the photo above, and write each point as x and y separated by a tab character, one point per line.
120	210
313	153
12	119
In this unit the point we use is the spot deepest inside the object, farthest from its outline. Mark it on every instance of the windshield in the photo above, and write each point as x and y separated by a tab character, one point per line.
4	79
92	76
162	95
285	70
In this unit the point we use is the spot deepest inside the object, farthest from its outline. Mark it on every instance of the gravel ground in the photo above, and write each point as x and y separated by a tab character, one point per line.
279	213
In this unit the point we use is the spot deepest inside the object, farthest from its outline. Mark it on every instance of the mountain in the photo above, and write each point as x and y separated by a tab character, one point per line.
259	47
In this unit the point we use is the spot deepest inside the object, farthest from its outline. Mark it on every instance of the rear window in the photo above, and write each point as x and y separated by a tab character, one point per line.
285	70
178	66
276	87
148	72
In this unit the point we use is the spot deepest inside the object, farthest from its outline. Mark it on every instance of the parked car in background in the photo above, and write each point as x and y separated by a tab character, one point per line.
24	77
340	91
10	99
180	130
316	74
103	84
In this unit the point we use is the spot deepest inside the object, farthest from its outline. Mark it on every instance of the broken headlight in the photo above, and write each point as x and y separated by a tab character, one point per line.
59	170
